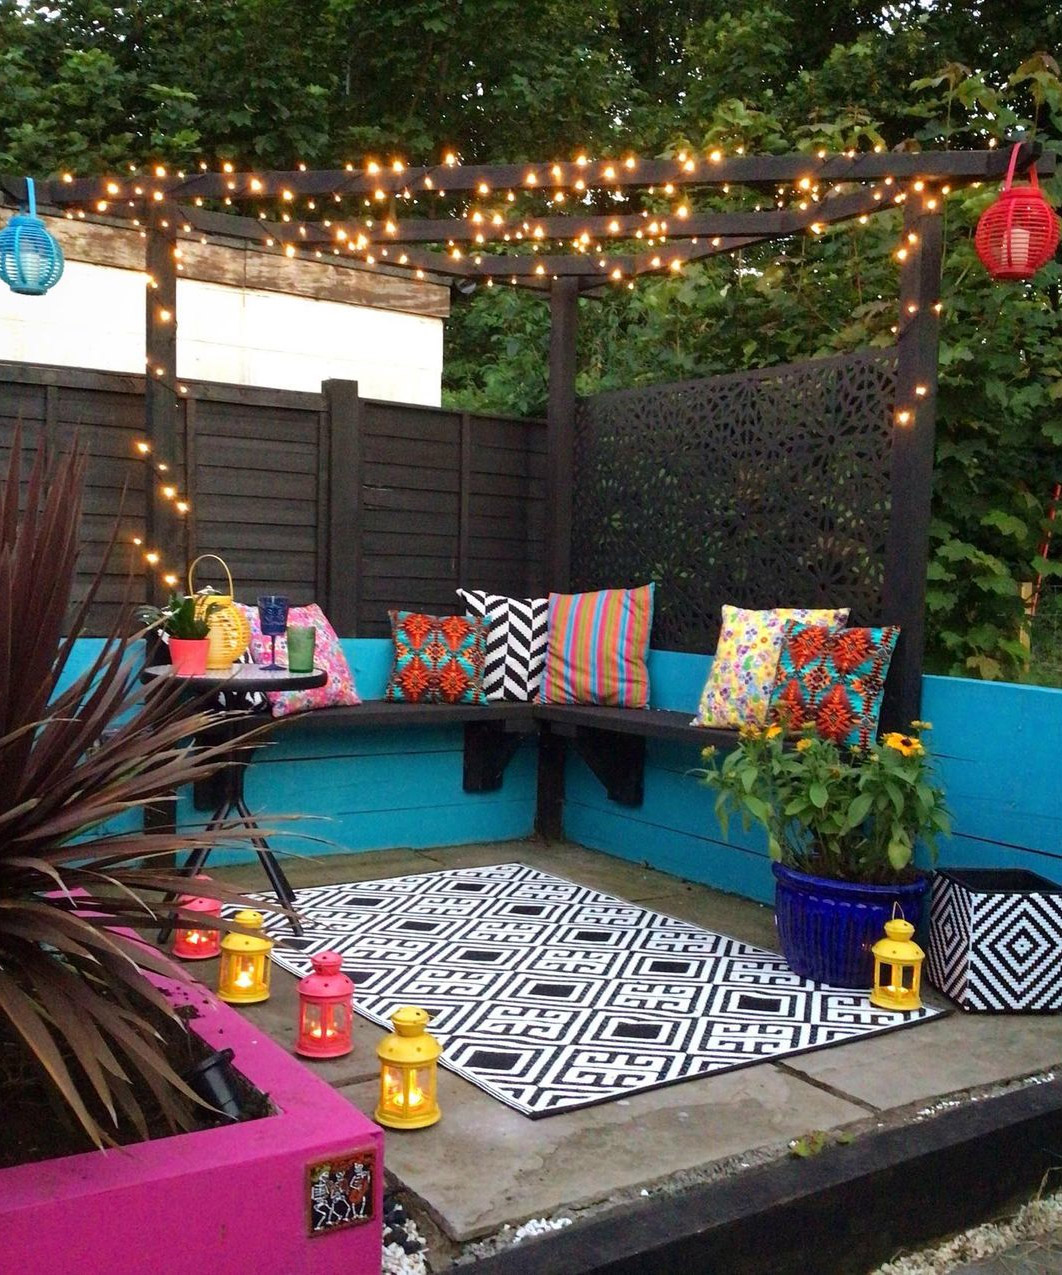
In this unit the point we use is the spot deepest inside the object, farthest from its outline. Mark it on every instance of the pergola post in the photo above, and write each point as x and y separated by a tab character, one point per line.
160	402
560	418
911	470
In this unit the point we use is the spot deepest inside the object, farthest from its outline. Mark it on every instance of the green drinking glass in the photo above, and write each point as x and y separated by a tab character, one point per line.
300	647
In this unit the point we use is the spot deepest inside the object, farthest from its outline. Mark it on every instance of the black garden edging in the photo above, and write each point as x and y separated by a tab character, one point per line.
842	1212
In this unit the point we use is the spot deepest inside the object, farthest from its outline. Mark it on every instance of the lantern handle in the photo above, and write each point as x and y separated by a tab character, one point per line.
31	196
1008	180
896	908
202	556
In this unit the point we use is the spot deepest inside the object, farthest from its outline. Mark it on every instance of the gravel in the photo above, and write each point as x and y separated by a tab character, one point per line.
1036	1220
403	1245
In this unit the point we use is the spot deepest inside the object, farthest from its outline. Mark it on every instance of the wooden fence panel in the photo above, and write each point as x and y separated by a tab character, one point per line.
253	487
106	414
360	505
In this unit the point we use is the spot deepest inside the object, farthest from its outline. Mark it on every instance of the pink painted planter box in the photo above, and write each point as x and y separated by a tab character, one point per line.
230	1201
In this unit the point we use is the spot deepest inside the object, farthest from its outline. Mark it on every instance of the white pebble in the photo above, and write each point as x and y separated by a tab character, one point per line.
539	1226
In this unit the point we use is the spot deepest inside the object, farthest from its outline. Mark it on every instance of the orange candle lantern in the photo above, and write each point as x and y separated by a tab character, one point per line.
326	1009
192	942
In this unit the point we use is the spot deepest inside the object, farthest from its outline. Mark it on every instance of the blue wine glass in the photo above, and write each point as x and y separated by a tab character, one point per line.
273	616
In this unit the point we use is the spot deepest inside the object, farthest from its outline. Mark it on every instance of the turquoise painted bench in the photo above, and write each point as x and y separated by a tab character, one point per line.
611	741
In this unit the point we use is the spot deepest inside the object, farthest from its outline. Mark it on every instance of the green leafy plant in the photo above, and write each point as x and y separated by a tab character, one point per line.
178	618
78	755
830	811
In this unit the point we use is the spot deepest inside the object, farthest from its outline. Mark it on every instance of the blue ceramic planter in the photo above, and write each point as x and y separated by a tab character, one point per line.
827	928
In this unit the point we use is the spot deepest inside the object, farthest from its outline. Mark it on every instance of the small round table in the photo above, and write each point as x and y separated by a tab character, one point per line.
238	683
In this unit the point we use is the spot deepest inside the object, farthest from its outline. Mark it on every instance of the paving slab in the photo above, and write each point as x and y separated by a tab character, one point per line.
304	870
603	872
955	1052
723	913
478	856
484	1165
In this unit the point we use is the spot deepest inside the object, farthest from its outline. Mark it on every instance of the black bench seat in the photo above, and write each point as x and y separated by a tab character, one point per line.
610	740
378	712
651	723
612	743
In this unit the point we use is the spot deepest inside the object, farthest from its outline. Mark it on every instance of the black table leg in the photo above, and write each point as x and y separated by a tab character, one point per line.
233	803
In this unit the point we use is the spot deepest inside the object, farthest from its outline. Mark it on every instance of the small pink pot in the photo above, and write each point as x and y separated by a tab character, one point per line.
189	655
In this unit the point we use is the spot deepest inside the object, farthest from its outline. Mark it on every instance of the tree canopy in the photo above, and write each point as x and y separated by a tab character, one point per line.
90	86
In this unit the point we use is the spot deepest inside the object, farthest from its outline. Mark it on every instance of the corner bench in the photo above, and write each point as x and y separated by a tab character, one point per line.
610	740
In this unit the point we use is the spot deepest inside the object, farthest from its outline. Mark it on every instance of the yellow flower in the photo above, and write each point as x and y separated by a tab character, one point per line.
908	745
749	731
708	752
802	745
921	725
774	731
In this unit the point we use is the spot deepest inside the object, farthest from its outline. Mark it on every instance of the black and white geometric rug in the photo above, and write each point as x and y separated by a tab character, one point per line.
552	996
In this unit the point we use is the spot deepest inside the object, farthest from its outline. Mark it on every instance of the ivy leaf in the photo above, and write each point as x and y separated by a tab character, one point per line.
1006	523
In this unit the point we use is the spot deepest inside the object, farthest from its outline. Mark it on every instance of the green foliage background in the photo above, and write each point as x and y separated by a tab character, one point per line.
90	86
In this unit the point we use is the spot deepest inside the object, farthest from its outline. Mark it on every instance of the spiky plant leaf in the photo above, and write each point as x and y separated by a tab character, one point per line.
73	893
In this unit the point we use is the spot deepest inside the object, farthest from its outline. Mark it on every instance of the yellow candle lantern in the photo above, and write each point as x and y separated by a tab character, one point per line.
408	1060
897	968
243	977
229	632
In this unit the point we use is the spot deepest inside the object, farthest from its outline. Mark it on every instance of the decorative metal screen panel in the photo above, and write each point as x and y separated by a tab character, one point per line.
760	489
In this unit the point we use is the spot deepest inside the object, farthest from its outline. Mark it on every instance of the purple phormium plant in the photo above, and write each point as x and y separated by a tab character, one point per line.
72	987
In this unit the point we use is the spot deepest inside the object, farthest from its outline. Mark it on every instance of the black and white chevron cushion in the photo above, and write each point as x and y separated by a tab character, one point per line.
516	642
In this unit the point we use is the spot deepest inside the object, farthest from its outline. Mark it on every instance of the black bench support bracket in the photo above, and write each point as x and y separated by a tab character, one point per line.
617	760
489	748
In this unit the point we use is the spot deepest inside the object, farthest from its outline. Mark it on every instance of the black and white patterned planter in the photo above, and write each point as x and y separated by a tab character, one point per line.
995	939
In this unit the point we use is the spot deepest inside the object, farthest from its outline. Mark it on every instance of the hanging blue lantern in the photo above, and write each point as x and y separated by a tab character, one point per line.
31	260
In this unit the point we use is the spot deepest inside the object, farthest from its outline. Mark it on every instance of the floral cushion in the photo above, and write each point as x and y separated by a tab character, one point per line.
327	655
438	659
746	657
597	648
833	680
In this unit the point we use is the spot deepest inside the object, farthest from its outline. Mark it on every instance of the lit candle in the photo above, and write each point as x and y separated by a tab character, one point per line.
1018	244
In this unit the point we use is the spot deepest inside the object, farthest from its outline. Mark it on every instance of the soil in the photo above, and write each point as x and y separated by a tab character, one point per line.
35	1123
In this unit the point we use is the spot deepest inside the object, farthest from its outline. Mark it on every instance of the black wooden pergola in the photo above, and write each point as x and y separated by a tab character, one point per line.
569	248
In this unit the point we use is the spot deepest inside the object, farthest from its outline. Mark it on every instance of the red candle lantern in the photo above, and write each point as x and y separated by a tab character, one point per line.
192	942
325	1009
1019	232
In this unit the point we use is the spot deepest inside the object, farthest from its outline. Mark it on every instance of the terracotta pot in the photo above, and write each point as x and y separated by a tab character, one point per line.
189	655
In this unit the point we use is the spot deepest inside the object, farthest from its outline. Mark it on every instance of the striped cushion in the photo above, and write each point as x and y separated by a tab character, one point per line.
516	642
597	648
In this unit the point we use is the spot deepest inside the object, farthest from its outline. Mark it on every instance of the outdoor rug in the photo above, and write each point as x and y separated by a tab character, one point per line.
552	996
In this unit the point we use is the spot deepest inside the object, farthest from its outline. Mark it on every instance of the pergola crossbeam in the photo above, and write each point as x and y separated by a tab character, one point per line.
616	174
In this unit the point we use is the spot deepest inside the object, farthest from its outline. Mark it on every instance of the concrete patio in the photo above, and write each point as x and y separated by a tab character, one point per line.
485	1168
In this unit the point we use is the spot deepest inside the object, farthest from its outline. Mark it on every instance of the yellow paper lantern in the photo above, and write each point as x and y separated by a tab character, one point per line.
408	1083
243	977
897	968
230	633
